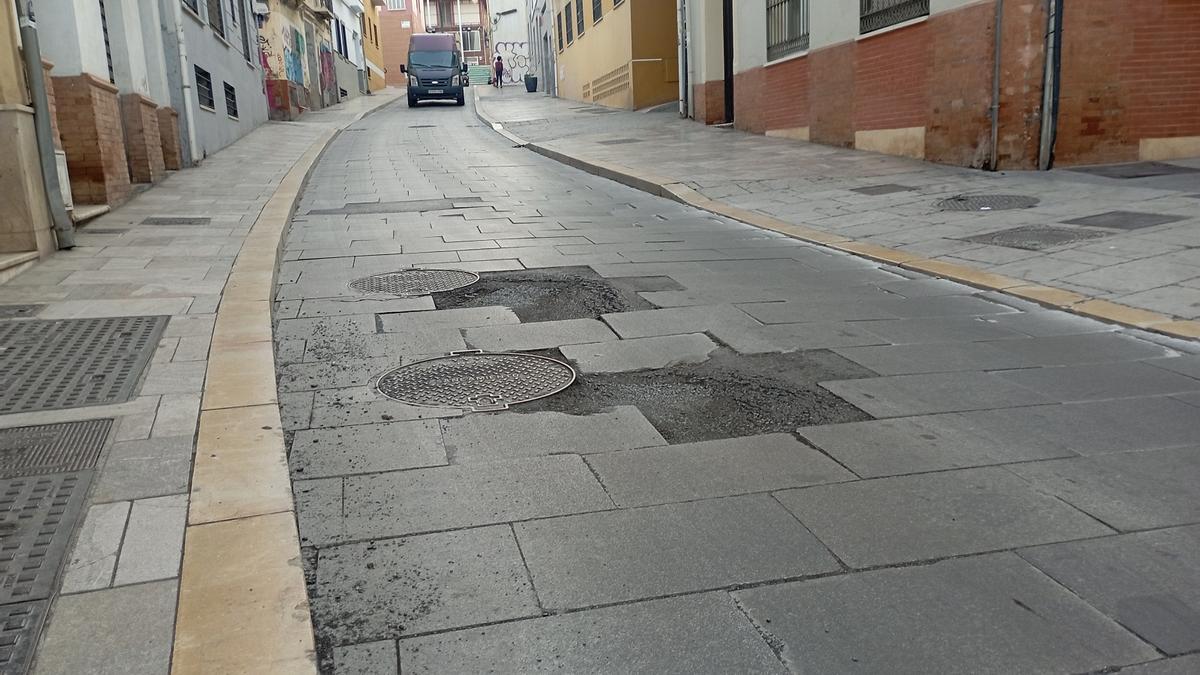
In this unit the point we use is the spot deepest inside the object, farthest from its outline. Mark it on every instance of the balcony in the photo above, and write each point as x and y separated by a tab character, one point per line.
321	9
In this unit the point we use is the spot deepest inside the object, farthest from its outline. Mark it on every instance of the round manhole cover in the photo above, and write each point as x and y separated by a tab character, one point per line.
987	202
476	380
414	282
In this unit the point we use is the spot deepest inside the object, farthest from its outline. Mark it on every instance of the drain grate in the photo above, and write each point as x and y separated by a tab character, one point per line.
103	230
476	380
161	220
1125	220
409	206
1035	237
68	363
987	202
421	126
1136	170
406	283
37	516
19	626
50	448
620	141
19	311
884	189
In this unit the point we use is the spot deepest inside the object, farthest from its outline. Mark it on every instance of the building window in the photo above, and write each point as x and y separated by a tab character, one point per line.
787	27
560	32
597	10
193	5
579	18
617	2
471	41
204	89
231	101
112	76
570	24
395	4
876	14
216	18
241	10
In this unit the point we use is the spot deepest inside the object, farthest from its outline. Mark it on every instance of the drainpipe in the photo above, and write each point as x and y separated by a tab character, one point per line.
189	112
64	227
684	88
1051	84
996	49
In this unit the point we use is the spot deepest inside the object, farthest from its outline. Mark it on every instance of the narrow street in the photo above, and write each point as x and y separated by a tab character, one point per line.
770	457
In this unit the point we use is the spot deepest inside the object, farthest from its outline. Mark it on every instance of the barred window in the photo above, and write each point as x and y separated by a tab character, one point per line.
787	27
193	5
560	32
204	88
472	40
597	10
216	17
877	14
231	101
579	18
570	24
395	4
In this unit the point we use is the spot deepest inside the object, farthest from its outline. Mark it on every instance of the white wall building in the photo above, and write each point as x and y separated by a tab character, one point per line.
510	37
349	61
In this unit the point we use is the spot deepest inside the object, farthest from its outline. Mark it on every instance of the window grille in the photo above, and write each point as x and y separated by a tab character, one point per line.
570	24
231	101
204	88
245	31
560	32
395	4
597	10
877	14
193	5
579	18
216	18
787	27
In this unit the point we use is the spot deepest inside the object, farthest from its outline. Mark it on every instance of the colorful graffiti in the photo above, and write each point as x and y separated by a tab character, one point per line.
293	54
328	75
516	60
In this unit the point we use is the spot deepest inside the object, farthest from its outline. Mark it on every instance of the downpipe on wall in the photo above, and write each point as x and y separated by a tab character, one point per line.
994	161
684	87
64	227
1051	83
185	79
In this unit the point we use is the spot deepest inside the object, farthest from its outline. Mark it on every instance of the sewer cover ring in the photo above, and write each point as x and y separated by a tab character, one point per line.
414	282
476	381
987	202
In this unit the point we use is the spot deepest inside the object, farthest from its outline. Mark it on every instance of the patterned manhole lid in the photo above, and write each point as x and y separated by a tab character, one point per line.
476	380
414	282
49	448
37	517
987	202
1036	237
19	627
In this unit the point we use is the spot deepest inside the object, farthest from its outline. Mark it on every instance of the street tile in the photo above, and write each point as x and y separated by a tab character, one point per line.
1101	381
507	435
467	317
94	556
540	335
366	448
901	519
584	560
934	358
691	634
144	468
153	541
713	469
362	305
385	589
1183	665
989	614
177	415
1148	582
677	320
901	395
791	337
640	353
939	330
1185	365
366	658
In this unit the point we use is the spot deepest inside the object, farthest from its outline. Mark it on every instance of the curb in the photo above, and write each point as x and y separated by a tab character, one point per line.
1047	296
243	605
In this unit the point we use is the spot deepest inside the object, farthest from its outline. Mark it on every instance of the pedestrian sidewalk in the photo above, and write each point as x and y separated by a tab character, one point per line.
180	259
1121	249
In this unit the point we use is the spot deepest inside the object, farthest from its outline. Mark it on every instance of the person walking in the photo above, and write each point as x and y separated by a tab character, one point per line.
498	66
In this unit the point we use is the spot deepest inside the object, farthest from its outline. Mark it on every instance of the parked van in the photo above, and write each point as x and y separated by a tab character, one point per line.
435	69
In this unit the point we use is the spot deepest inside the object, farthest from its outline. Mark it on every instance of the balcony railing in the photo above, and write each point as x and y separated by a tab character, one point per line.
787	27
877	14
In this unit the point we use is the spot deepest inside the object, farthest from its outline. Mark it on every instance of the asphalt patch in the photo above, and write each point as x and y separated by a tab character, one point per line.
728	396
555	294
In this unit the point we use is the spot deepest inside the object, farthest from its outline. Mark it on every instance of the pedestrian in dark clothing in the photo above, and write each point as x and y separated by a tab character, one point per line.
499	68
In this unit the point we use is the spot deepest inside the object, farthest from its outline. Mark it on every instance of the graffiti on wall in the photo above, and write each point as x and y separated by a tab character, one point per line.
516	60
282	54
328	76
293	54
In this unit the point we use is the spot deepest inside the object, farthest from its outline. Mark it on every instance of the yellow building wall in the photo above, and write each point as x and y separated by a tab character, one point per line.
655	52
283	45
373	47
595	67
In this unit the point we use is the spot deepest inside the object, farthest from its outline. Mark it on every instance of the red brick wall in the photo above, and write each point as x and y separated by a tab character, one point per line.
831	72
143	145
168	133
958	126
748	96
49	80
1022	62
89	122
786	106
708	102
395	39
891	79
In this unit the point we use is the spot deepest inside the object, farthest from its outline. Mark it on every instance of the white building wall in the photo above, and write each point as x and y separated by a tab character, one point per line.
125	41
510	38
72	36
345	12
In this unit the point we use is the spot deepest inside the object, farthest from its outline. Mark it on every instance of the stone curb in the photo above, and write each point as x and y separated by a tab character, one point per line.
1048	296
243	606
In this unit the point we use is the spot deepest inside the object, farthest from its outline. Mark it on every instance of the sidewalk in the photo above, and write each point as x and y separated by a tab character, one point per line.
1131	241
117	608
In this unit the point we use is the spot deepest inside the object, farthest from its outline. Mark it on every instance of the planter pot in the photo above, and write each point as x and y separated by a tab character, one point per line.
530	83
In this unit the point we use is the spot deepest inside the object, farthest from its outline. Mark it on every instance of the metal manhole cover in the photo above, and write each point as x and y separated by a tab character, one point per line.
421	126
407	283
406	206
69	363
37	517
1035	237
176	221
50	448
884	189
987	202
620	141
476	380
103	230
1125	220
19	311
19	627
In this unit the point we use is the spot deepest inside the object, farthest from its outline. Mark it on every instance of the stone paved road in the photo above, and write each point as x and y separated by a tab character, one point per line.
776	457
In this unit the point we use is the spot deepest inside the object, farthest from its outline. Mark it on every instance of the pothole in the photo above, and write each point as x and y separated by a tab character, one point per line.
476	380
414	282
555	294
725	397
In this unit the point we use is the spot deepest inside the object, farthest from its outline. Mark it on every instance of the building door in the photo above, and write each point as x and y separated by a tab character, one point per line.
727	41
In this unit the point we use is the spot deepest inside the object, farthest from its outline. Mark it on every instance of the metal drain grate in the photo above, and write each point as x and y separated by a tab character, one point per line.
103	230
421	126
19	627
19	311
50	448
37	516
68	363
884	189
160	220
987	202
1035	237
408	206
406	283
476	380
1125	220
1136	170
620	141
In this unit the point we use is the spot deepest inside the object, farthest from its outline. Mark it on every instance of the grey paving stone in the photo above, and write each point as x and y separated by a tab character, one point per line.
1102	381
791	337
325	327
366	448
988	614
119	631
349	406
1183	665
490	437
144	468
94	555
584	560
934	358
342	373
946	305
466	317
886	521
1129	491
153	544
902	395
174	378
939	330
1148	582
296	409
1049	323
366	658
362	305
1190	399
677	320
1077	349
640	353
177	415
540	335
1185	365
396	346
713	469
691	634
385	589
799	311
